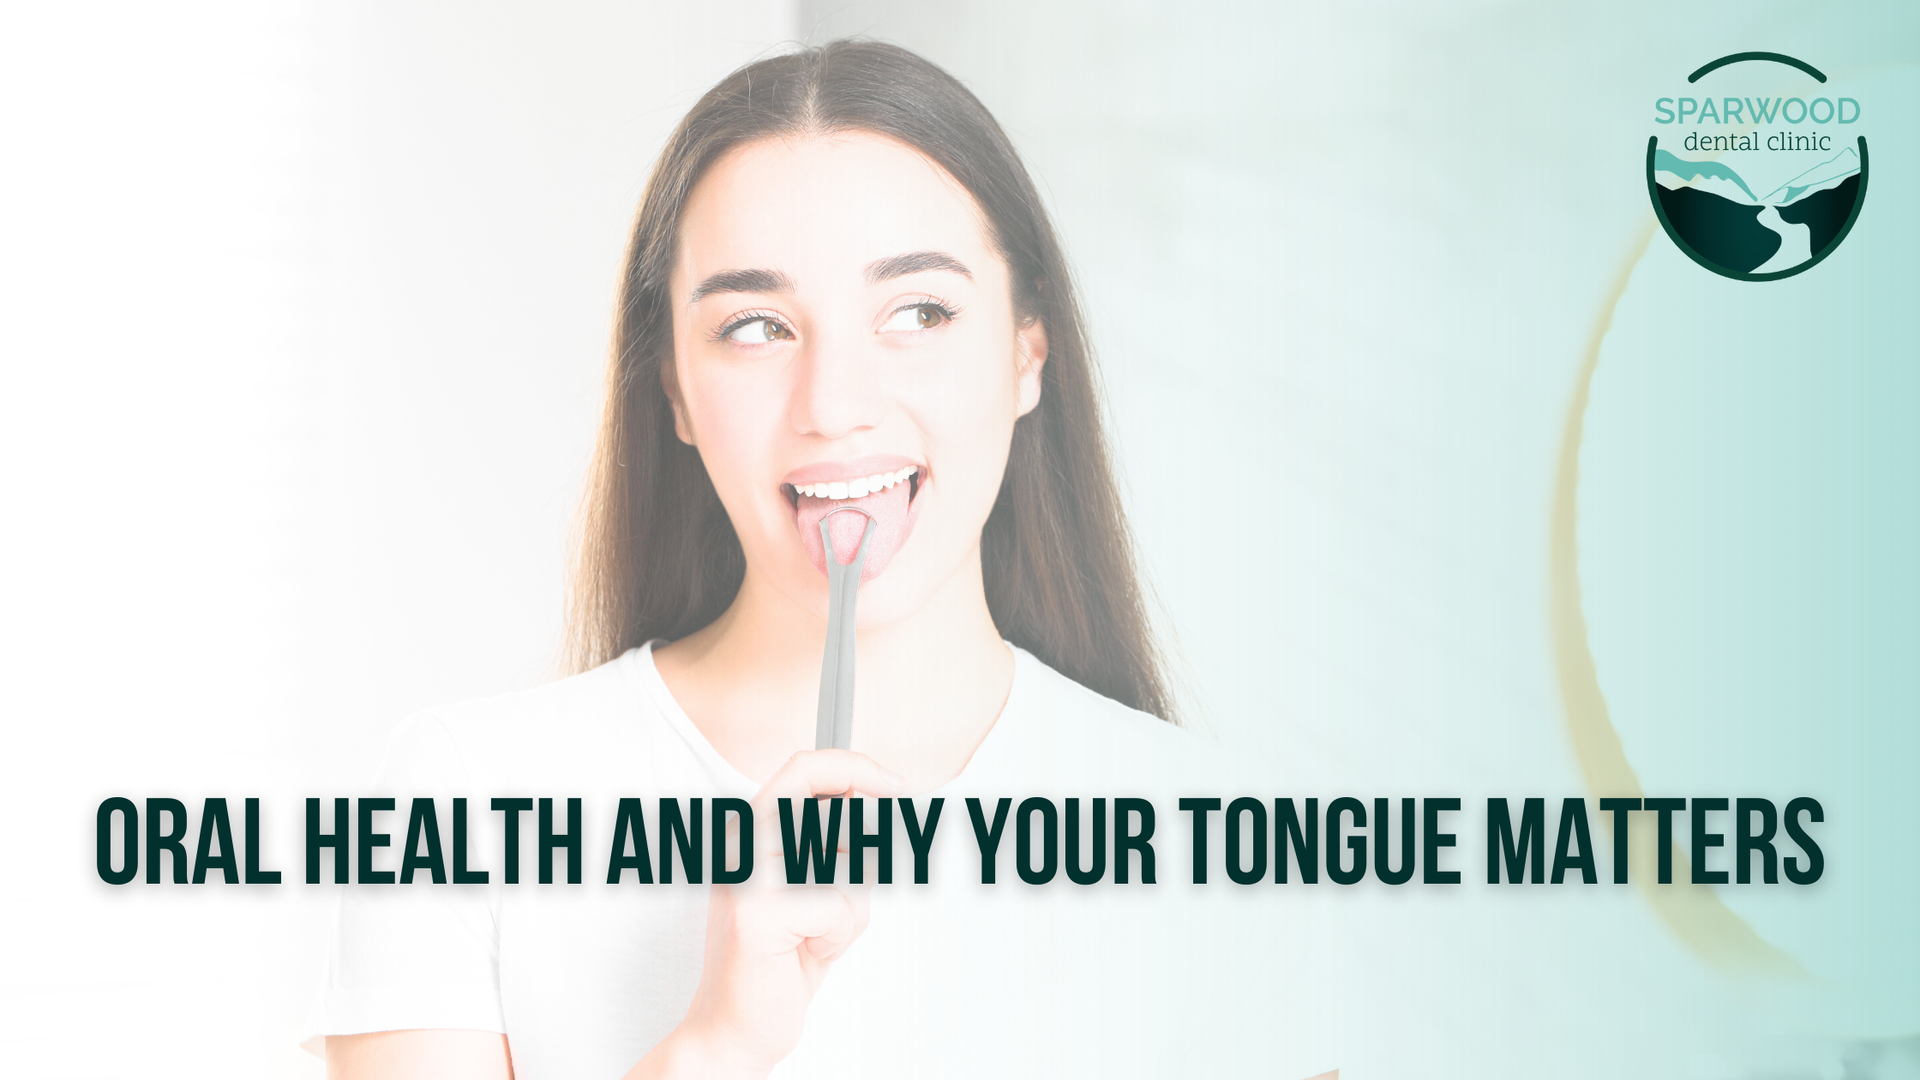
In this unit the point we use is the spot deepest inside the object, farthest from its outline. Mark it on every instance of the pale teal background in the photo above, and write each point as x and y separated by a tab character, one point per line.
1749	523
1364	250
303	317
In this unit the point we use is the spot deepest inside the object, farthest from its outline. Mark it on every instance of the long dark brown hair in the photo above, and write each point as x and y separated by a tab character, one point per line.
660	559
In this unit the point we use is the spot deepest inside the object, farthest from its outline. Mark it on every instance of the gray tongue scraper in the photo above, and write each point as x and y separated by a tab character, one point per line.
835	726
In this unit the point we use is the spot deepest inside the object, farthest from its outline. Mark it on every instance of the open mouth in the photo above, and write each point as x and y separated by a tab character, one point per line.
889	496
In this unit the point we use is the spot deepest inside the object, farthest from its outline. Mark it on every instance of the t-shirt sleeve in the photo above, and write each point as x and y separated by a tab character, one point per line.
418	955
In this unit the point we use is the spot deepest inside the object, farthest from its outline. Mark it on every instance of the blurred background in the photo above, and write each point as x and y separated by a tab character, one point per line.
303	315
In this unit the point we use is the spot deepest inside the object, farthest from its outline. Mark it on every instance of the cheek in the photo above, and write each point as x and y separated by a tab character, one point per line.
735	420
967	411
970	421
978	390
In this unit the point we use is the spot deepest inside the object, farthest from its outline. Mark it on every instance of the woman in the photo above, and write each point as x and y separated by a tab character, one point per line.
842	290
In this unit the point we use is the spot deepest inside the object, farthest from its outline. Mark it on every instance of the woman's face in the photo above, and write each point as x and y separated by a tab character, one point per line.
840	318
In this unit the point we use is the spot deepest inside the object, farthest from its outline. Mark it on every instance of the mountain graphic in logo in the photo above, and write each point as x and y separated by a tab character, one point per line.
1709	208
1758	186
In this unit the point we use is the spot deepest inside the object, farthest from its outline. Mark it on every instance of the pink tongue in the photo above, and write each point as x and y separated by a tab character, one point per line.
888	509
847	530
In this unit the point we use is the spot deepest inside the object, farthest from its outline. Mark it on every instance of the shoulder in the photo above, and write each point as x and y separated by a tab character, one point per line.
589	700
1073	728
484	738
1059	701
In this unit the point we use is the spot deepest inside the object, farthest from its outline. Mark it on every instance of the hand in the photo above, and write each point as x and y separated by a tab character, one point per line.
769	943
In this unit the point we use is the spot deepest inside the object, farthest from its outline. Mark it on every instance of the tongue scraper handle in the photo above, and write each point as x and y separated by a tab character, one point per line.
834	729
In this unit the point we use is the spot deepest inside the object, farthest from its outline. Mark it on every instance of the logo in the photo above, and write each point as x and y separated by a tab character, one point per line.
1763	173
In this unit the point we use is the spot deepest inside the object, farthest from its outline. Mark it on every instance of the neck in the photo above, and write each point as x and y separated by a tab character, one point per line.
928	686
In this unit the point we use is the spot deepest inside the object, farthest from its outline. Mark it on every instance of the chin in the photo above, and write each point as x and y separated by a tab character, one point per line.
889	600
908	585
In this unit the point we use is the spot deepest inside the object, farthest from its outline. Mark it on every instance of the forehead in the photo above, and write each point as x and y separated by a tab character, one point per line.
826	205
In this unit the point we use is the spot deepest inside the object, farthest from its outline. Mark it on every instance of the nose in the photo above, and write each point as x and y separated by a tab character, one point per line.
839	390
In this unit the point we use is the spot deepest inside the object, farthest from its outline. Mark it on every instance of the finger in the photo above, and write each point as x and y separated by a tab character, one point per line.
859	901
828	946
829	772
814	911
772	845
860	896
810	774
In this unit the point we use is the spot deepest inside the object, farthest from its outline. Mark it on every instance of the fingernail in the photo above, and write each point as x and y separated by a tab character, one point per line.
893	778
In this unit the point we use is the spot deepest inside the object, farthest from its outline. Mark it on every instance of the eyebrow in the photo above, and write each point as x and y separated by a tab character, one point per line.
731	281
914	262
774	281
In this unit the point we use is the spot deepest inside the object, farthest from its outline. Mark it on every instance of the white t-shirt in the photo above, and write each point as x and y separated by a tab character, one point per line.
950	978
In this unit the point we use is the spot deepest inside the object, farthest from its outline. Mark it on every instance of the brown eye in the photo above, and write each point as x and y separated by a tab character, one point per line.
758	331
916	317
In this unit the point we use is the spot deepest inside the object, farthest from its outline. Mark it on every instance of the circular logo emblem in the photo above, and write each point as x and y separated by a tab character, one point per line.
1754	181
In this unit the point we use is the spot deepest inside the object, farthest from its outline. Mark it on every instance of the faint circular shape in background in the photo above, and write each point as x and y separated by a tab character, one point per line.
1747	520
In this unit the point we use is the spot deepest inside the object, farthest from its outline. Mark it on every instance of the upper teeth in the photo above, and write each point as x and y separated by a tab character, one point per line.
857	488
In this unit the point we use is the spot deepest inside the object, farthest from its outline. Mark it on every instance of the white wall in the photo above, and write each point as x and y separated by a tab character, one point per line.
303	310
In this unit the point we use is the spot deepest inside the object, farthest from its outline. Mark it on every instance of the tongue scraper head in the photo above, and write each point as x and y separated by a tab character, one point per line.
834	726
